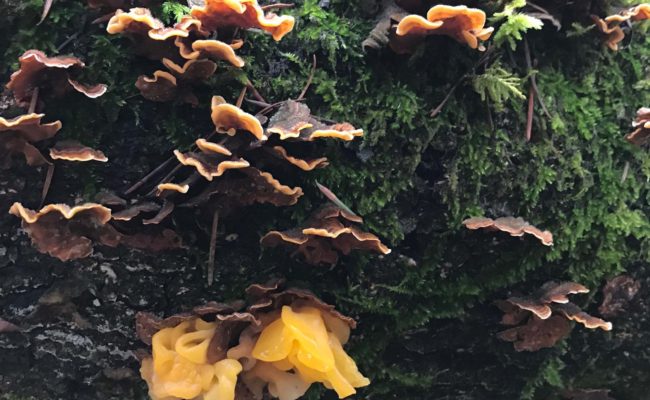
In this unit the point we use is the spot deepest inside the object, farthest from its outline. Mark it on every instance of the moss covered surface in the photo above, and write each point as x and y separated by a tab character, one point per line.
427	327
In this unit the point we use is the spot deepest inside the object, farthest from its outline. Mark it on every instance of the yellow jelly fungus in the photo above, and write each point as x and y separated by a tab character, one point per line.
311	345
179	367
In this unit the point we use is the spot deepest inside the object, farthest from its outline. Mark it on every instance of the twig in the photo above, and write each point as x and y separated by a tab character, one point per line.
529	116
47	183
240	99
142	181
626	170
278	6
258	103
311	77
533	80
68	41
274	105
46	9
33	101
444	101
103	18
256	94
213	247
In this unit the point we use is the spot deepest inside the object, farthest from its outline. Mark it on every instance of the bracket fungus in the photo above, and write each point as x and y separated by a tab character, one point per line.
641	134
242	14
283	342
50	75
514	226
328	232
547	313
610	26
17	136
67	233
465	25
69	150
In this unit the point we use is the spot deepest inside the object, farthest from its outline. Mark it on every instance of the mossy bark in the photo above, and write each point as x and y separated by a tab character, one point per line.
426	321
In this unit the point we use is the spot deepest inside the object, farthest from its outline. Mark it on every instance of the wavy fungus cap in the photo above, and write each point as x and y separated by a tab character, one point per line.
215	14
67	233
641	135
228	118
514	226
328	232
74	151
466	25
543	311
52	73
18	134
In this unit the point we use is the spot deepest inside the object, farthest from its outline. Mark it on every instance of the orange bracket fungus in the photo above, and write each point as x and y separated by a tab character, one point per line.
281	344
17	136
547	313
67	233
39	74
641	134
610	26
69	150
328	232
514	226
466	25
243	14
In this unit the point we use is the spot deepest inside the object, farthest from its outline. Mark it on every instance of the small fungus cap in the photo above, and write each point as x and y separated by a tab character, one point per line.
228	118
75	151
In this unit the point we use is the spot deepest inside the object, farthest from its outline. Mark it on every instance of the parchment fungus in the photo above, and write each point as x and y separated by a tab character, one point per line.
514	226
18	135
328	232
546	314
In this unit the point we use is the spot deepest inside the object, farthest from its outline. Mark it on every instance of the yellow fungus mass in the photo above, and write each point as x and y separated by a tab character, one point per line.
179	365
304	341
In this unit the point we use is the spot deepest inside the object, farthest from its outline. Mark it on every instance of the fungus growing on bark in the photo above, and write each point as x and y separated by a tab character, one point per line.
617	294
282	343
40	74
328	232
641	134
547	313
178	83
228	118
514	226
244	14
67	233
610	26
466	25
17	136
74	151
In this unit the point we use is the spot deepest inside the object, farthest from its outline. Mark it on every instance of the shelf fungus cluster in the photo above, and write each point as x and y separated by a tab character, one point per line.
281	344
611	26
403	31
187	49
328	232
542	319
514	226
641	134
242	163
70	233
42	77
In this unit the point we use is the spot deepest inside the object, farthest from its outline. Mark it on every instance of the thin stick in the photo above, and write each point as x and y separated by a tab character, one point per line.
33	101
103	18
311	77
256	94
257	103
47	183
68	41
165	178
142	181
444	101
240	99
533	80
213	247
278	6
531	109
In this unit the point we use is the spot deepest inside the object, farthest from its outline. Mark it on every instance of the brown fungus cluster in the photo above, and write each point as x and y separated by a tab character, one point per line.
70	233
403	31
18	135
187	49
227	351
511	225
641	134
542	319
611	26
328	232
